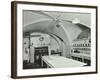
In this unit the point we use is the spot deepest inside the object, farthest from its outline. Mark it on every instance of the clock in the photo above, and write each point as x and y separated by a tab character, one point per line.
41	38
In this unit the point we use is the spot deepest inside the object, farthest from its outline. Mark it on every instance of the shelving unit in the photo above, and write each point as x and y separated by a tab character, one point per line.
81	51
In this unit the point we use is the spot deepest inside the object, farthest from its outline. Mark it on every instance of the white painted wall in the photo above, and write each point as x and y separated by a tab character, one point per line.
5	41
35	42
53	44
25	47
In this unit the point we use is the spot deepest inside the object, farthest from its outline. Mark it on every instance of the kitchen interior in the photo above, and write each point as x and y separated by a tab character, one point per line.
55	43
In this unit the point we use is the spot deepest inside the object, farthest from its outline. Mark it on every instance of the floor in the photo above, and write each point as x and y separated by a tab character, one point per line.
35	65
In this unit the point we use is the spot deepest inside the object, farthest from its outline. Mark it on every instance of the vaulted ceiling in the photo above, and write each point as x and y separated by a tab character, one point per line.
41	21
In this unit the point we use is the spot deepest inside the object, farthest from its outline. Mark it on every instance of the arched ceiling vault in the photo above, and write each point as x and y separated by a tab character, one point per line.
32	20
